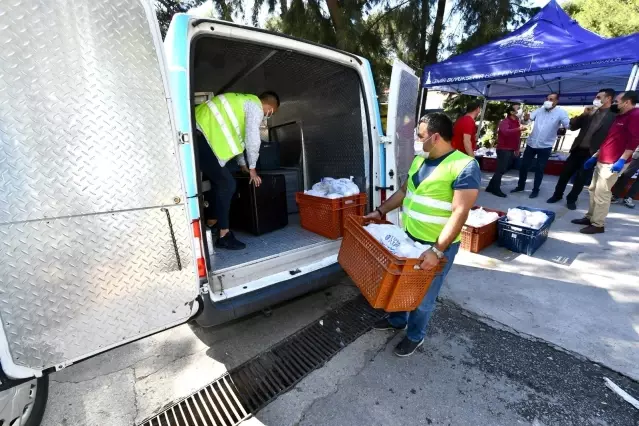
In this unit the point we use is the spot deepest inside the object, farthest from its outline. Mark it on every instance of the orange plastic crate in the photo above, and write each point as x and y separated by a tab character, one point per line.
475	239
388	282
325	216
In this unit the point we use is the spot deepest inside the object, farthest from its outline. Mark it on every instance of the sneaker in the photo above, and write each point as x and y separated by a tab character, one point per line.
553	199
629	203
571	205
582	221
384	324
407	347
591	229
518	189
616	200
229	242
534	194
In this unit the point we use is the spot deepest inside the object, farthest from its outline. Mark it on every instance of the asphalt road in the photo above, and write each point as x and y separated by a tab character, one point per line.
467	373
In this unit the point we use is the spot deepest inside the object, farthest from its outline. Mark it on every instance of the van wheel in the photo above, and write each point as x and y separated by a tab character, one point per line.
24	404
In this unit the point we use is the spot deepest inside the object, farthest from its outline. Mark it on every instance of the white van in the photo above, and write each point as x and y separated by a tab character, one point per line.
100	193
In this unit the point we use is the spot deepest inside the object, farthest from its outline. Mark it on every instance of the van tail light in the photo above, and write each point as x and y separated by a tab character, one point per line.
199	250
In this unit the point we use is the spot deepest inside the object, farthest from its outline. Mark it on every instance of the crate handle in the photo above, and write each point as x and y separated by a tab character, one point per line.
349	202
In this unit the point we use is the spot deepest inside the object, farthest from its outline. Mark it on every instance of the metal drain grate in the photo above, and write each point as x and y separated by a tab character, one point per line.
252	385
216	404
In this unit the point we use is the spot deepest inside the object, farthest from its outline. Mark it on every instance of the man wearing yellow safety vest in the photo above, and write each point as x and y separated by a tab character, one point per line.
442	186
228	125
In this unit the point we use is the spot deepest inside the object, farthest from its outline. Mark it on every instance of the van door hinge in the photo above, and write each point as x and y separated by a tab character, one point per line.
386	140
183	138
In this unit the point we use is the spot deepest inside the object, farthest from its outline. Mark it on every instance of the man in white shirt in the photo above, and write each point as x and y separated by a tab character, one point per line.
548	119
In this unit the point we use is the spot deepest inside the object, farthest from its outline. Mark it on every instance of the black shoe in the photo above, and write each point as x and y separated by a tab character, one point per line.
571	205
591	230
582	221
553	199
384	324
229	242
496	192
534	194
518	189
406	347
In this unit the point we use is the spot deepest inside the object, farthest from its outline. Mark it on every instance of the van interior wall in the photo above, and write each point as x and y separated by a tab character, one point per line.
324	96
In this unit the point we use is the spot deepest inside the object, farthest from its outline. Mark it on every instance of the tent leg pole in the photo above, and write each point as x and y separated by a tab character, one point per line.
632	80
421	105
481	120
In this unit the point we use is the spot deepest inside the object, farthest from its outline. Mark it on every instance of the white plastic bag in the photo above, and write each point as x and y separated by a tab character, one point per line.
396	240
527	218
480	217
334	188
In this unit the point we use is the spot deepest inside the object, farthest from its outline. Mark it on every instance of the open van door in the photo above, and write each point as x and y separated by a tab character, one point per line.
97	246
400	127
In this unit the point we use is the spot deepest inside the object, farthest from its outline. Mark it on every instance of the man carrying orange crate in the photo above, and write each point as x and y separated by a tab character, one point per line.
442	186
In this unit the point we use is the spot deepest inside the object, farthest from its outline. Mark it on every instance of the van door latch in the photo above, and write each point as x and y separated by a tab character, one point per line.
386	140
183	138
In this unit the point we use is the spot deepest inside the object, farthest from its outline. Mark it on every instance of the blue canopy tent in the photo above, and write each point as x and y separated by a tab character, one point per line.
550	53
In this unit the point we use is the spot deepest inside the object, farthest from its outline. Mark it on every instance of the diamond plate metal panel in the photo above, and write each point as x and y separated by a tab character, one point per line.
75	285
405	124
84	124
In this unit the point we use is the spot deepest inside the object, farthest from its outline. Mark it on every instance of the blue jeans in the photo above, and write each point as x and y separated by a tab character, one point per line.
417	320
542	158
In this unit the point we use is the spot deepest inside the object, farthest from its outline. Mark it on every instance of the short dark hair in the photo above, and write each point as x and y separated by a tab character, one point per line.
608	92
554	93
472	106
270	97
630	95
438	122
511	108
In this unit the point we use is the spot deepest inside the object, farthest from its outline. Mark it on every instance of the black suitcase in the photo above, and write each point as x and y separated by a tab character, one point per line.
293	178
260	210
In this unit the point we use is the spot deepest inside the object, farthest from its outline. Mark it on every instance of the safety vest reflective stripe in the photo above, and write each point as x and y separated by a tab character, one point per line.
440	220
225	129
232	117
429	202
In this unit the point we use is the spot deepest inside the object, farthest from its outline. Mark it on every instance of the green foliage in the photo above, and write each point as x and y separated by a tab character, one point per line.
165	9
609	18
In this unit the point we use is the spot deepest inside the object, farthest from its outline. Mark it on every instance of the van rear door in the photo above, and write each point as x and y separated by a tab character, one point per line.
400	126
96	240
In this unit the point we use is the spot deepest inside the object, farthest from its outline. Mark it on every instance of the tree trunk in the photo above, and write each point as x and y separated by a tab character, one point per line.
436	38
423	27
283	7
337	16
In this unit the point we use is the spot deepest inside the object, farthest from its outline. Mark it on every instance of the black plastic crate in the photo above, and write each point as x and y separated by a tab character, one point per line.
521	239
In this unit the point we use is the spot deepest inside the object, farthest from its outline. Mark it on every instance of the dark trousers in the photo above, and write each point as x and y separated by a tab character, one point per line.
504	160
542	155
222	182
574	166
627	173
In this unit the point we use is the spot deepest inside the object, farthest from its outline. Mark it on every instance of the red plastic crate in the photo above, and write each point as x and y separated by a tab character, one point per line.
554	167
325	216
475	239
488	164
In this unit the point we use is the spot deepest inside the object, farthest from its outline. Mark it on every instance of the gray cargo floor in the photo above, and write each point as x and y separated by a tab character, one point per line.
289	238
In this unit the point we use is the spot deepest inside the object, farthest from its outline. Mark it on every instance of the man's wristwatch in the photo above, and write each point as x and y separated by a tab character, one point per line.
438	252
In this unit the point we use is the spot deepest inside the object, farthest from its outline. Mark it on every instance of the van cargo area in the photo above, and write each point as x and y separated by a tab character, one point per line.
321	128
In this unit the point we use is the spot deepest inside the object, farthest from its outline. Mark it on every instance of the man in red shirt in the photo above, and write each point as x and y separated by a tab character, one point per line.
508	140
465	130
616	149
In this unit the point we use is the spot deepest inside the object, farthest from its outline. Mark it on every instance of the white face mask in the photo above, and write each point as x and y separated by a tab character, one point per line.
597	103
419	148
520	112
548	104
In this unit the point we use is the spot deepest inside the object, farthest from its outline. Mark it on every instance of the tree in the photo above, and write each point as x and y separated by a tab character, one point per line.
165	9
609	18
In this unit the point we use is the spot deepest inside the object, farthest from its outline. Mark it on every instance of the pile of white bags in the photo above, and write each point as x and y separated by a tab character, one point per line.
480	217
526	218
334	188
396	241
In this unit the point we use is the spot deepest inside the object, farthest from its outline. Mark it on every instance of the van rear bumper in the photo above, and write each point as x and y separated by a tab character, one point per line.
216	313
